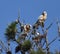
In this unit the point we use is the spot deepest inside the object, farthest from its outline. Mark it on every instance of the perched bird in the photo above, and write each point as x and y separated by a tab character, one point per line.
43	16
40	20
27	28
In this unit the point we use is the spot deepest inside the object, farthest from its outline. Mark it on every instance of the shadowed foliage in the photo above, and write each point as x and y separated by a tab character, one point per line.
11	31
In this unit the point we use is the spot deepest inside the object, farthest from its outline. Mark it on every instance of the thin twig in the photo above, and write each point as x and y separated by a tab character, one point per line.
53	40
2	45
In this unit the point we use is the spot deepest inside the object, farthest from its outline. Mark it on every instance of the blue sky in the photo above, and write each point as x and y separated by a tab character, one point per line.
29	11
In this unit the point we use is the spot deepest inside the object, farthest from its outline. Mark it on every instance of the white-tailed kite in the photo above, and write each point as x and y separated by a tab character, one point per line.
40	20
43	16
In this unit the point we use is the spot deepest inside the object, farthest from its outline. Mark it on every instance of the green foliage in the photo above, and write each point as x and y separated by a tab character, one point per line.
40	51
33	52
11	31
57	52
23	47
26	45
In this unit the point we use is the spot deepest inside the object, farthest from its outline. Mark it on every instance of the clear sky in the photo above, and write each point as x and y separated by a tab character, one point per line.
29	11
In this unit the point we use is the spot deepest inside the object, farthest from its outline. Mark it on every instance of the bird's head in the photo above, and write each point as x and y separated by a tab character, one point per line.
44	13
